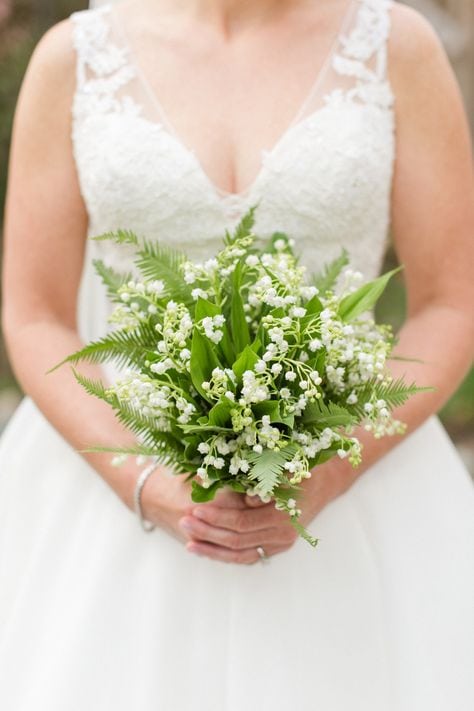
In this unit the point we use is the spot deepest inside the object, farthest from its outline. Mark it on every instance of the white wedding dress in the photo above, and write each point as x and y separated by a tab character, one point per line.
95	614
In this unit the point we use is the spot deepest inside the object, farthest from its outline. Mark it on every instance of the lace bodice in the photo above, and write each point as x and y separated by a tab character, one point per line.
326	182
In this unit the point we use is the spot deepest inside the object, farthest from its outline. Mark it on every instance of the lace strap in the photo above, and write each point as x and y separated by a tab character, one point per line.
363	53
102	65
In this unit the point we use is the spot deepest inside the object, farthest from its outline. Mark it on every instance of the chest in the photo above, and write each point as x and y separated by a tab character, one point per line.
230	100
325	180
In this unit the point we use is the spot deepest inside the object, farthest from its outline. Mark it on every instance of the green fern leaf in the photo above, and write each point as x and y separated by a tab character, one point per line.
323	415
92	387
113	280
161	262
244	228
301	530
122	347
268	467
119	237
326	280
395	393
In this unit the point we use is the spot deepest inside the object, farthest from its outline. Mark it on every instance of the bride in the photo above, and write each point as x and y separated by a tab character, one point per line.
341	118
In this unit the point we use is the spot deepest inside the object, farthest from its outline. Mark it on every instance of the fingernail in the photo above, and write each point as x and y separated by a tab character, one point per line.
199	513
186	523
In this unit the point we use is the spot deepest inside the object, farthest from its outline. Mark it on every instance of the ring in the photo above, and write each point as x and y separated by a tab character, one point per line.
263	556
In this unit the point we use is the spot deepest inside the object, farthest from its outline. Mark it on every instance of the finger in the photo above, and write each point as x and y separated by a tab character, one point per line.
200	531
247	556
241	520
228	498
255	501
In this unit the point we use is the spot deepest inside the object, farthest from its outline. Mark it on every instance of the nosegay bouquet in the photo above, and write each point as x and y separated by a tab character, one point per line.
241	371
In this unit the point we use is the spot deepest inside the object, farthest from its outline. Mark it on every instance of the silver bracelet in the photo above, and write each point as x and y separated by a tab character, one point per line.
137	494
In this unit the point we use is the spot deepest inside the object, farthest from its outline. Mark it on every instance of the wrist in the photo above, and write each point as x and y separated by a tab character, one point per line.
333	478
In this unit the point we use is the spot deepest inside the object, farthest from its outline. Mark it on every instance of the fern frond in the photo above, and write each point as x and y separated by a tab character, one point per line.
326	280
113	280
244	228
122	347
145	427
119	237
93	387
320	415
395	393
157	261
268	467
301	530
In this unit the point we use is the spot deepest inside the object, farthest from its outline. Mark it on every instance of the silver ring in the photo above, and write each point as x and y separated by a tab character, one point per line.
263	556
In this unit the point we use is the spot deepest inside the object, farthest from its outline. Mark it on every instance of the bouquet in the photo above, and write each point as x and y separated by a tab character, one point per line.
241	371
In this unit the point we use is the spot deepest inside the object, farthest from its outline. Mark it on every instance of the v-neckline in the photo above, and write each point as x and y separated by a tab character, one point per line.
265	154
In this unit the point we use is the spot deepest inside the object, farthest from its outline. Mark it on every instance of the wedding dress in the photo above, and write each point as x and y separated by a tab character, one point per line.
95	614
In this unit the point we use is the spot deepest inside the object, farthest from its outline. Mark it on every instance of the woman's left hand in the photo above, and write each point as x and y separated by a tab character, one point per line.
233	535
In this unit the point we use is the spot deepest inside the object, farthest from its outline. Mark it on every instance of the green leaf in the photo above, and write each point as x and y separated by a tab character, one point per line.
199	429
203	362
288	419
395	393
136	450
236	486
245	361
113	280
268	467
219	415
200	495
365	297
123	347
119	237
245	226
325	454
238	324
305	534
321	415
275	237
92	387
287	491
328	277
314	306
161	262
205	308
273	408
191	448
267	407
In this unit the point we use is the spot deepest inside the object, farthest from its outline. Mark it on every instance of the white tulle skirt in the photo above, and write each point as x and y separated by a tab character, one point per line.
96	615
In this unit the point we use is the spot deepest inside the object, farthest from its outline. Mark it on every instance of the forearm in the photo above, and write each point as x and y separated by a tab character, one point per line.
82	420
441	338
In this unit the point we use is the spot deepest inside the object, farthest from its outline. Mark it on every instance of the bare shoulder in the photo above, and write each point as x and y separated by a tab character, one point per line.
417	59
411	34
52	68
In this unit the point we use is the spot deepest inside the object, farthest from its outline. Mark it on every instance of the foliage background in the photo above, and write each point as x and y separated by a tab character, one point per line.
22	23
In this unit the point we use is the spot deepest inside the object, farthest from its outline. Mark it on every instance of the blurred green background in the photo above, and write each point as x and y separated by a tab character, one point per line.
22	24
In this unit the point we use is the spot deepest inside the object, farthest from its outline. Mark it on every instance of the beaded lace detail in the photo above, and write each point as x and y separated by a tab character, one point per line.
327	181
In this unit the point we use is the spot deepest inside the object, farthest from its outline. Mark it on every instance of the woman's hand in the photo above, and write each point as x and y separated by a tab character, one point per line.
232	535
166	501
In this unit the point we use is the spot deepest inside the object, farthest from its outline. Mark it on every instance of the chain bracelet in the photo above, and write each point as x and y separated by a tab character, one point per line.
141	481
